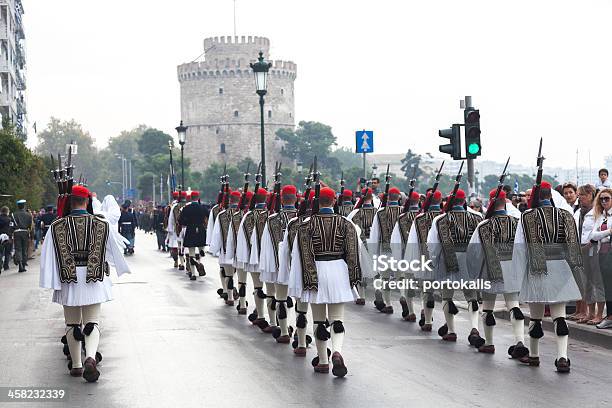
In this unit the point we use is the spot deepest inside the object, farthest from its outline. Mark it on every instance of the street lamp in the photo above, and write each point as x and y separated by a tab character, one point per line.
182	132
300	167
374	168
260	69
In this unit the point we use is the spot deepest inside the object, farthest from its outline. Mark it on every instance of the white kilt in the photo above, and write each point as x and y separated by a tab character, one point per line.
333	287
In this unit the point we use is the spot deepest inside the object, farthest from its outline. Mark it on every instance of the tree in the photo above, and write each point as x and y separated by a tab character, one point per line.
24	174
54	138
308	140
152	142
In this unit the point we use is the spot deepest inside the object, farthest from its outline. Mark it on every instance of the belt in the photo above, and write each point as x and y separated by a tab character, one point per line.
20	229
328	257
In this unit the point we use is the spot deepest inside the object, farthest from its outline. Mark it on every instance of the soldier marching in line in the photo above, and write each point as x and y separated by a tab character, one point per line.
191	219
22	220
175	239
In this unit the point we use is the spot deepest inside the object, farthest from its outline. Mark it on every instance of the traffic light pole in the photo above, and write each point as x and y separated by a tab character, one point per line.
470	162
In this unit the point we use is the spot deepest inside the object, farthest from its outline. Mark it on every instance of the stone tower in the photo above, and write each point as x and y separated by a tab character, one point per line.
221	109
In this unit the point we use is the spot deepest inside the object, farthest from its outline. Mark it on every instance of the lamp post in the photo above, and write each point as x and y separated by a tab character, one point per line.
260	69
182	132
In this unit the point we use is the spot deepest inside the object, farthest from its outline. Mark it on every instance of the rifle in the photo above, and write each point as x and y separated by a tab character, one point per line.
500	186
451	199
362	198
339	200
534	202
257	184
316	178
308	187
226	193
245	188
412	186
277	189
433	189
221	187
385	198
270	202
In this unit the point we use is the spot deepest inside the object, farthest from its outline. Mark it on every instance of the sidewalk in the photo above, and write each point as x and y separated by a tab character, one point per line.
582	332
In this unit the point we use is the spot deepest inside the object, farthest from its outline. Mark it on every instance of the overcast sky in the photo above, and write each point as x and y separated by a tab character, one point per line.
534	68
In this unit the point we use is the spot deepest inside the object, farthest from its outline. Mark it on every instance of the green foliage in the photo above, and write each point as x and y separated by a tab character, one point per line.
153	142
308	140
24	174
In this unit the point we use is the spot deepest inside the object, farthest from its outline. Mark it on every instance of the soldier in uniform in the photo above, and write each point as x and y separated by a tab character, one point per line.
490	253
160	228
75	264
21	234
326	267
346	206
416	249
230	255
46	219
379	243
191	219
254	220
399	240
363	217
284	255
447	243
547	256
277	285
175	240
228	221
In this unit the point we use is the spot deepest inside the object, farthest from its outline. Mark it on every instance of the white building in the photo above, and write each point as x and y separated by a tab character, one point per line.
12	65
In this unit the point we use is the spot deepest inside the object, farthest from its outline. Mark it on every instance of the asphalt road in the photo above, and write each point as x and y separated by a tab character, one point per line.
171	342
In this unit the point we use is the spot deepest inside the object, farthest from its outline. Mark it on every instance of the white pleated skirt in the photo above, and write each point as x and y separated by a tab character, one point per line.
172	240
333	287
82	293
556	286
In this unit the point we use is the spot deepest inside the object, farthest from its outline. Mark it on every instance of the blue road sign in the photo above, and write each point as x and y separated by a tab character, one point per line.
364	141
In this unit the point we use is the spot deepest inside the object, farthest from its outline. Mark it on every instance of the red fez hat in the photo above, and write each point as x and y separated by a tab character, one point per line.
311	195
366	191
347	193
175	194
545	184
327	193
437	195
249	195
502	194
288	190
394	190
262	191
183	194
460	195
235	193
415	196
195	193
80	191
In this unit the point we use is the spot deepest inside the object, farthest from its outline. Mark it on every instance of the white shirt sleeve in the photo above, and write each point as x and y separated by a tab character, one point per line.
474	253
242	247
284	257
210	227
374	232
412	245
519	252
396	242
352	214
254	255
267	260
49	271
433	243
215	241
114	256
171	219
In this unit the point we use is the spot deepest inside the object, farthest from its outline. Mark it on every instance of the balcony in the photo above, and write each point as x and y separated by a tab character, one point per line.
21	108
19	33
20	80
20	56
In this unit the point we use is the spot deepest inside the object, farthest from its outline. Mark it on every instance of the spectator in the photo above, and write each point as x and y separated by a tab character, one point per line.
525	197
476	205
589	310
602	230
603	181
6	241
127	227
569	193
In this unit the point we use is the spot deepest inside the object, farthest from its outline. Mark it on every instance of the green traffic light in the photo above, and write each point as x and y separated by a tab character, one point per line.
474	148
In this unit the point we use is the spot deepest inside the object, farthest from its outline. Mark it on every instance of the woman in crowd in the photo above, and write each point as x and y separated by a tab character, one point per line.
601	234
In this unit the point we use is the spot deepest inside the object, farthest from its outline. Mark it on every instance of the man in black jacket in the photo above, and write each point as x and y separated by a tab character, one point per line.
21	234
6	233
127	226
158	226
192	218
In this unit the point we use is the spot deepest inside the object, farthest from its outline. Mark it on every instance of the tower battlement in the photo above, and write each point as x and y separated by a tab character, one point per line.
219	105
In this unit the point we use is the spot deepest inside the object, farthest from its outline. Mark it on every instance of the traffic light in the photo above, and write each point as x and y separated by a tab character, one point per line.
454	147
472	133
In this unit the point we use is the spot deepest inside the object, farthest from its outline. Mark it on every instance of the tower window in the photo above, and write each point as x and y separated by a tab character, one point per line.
290	114
269	113
235	113
282	91
220	91
217	131
222	148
